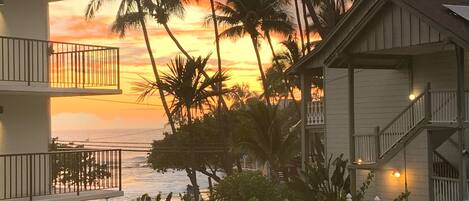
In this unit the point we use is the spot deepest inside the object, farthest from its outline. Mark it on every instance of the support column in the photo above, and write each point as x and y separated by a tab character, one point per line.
351	106
461	117
305	81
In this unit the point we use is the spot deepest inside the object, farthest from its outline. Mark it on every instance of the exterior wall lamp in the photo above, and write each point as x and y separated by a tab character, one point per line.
412	97
359	161
396	173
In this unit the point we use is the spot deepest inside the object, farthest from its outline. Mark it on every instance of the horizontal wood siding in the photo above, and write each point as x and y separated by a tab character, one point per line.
439	69
394	27
388	187
336	97
380	95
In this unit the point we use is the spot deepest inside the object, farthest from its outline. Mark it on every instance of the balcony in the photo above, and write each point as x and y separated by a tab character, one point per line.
64	175
57	68
315	115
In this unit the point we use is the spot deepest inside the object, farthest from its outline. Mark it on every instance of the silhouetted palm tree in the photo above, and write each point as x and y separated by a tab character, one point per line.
325	14
243	17
190	90
130	15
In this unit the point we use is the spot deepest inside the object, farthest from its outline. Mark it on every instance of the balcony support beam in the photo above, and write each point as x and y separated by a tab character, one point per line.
460	119
305	81
351	96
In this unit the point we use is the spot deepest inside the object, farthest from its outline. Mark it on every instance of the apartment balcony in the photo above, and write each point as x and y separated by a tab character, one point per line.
64	175
57	68
315	114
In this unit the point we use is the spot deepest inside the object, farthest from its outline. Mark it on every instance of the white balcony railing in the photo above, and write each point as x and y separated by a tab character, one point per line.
445	189
315	113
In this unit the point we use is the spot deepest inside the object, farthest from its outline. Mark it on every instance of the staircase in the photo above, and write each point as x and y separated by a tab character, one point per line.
432	108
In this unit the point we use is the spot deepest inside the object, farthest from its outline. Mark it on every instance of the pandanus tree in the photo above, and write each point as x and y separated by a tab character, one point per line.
245	17
131	15
190	91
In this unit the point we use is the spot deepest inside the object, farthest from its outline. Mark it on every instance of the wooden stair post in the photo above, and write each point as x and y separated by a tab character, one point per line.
377	144
428	103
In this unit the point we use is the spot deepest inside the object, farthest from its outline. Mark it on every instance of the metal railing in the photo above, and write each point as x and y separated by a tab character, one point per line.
58	64
315	113
40	174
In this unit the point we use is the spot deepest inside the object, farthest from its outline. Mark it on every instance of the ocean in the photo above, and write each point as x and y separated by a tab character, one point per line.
137	177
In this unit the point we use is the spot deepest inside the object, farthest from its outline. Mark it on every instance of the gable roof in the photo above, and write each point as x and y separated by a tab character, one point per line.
433	12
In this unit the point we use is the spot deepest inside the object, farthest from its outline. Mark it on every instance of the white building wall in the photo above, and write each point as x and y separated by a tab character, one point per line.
380	95
25	19
24	123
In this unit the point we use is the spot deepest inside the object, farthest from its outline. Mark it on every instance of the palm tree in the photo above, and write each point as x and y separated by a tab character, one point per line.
191	91
246	17
298	21
131	15
267	136
327	15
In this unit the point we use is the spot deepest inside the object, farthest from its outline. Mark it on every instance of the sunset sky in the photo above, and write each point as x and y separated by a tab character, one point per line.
67	23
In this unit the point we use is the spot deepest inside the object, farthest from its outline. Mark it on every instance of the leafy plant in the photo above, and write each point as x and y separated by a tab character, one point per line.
69	170
247	186
146	197
404	196
316	183
362	191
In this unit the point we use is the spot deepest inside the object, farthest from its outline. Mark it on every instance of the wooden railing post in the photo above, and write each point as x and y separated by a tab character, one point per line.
377	144
428	103
31	177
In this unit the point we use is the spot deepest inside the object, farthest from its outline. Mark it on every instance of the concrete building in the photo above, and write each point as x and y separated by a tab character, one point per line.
32	70
395	96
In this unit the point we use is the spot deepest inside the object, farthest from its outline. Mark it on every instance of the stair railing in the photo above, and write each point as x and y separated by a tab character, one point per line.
444	106
417	111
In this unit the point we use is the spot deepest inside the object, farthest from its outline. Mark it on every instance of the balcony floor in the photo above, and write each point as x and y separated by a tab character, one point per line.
85	195
40	89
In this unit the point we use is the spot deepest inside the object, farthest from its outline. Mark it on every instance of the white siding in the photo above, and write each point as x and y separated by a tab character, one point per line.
388	187
379	96
336	97
439	69
25	19
24	124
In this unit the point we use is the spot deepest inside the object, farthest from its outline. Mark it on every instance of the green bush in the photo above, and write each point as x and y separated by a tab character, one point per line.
247	186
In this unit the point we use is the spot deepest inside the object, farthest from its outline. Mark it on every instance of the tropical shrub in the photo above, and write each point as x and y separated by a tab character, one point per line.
247	186
326	181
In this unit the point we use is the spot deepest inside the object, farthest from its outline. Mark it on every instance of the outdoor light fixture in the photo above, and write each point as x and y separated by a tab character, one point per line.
359	161
396	174
412	97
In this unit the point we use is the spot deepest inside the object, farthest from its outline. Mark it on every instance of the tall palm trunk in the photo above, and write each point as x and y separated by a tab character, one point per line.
284	77
179	46
314	16
305	15
298	20
221	115
261	70
155	70
193	172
